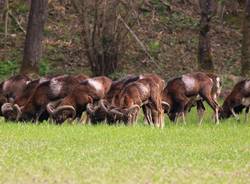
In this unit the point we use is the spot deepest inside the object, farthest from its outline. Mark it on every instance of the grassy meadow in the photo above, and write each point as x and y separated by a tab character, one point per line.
47	153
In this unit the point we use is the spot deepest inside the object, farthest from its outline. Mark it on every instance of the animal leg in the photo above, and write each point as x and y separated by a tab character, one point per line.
87	119
200	111
38	114
147	114
182	110
246	114
213	105
161	114
155	117
234	114
135	117
183	118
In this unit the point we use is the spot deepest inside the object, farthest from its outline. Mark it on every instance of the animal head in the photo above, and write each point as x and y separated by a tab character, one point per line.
9	111
126	115
61	113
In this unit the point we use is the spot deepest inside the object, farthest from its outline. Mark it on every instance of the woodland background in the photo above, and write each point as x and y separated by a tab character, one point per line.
160	36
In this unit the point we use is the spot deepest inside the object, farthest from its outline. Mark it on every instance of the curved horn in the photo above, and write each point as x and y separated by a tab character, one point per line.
50	107
116	112
6	107
163	103
133	107
18	110
103	106
90	108
66	107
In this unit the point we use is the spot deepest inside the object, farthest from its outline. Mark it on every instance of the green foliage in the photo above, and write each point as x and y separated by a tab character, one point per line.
117	75
44	67
8	68
22	8
161	6
178	20
48	153
234	21
154	47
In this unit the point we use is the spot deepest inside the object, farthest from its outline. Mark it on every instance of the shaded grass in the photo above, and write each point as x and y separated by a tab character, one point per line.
48	153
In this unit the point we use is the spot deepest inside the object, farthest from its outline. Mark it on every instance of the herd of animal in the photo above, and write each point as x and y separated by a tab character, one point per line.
66	97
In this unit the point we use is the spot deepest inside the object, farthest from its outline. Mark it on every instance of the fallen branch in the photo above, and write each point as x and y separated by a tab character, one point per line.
17	22
144	48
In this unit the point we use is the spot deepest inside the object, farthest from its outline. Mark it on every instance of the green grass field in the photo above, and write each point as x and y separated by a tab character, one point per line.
48	153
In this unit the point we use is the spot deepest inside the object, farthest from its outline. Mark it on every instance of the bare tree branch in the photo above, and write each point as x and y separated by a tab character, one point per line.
17	22
144	48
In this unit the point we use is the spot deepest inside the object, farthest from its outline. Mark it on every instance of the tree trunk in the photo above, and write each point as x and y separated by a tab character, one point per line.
6	20
34	36
245	58
2	4
204	51
104	64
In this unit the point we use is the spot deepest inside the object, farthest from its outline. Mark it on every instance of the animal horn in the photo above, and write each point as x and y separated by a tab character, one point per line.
103	106
66	107
163	103
51	106
116	112
134	107
90	108
6	107
18	110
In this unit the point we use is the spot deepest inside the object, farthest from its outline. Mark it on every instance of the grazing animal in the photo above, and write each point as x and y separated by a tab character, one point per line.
95	111
236	101
12	88
198	101
180	93
145	91
53	89
71	106
9	110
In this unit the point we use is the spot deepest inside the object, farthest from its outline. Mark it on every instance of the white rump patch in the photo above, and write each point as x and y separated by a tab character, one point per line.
55	86
246	101
247	85
141	77
189	82
95	84
144	89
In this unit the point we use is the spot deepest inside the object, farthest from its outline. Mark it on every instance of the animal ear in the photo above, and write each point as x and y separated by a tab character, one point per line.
90	100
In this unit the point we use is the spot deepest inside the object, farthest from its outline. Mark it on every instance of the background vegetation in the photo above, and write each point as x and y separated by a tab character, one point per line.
169	29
